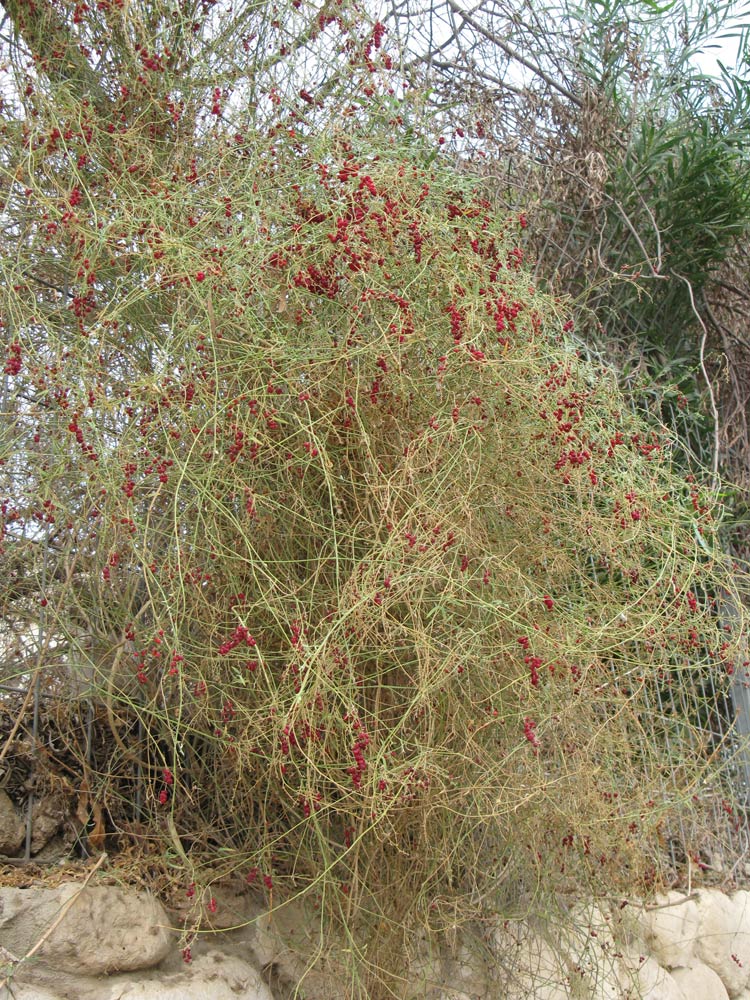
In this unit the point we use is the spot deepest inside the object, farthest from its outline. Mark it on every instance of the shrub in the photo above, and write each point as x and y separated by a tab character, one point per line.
378	580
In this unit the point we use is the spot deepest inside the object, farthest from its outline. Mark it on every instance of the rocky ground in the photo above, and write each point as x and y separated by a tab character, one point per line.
89	936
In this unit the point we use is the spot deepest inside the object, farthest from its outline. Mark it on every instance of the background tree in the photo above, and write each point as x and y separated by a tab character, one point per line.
631	164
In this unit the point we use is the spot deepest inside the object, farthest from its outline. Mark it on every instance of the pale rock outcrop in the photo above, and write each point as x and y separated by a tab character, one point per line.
532	967
655	983
221	908
467	971
47	816
24	991
104	929
723	941
596	943
288	940
670	928
741	900
701	982
426	963
12	827
213	976
107	943
12	987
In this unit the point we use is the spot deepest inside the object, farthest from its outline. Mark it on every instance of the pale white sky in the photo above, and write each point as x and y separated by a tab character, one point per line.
724	49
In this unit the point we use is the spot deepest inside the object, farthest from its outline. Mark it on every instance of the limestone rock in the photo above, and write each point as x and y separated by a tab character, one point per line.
670	929
586	951
24	991
12	827
656	983
466	971
741	900
723	945
596	941
16	989
105	929
531	966
213	976
47	816
288	940
700	981
426	968
234	907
